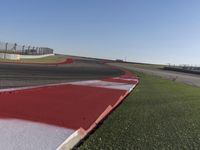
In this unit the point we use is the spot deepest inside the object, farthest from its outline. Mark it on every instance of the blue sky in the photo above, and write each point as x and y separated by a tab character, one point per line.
153	31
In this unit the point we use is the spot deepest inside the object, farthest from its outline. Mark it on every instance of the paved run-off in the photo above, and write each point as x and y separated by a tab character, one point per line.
45	117
23	75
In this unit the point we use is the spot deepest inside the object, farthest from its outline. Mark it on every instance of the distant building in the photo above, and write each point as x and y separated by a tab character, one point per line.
13	48
38	51
119	60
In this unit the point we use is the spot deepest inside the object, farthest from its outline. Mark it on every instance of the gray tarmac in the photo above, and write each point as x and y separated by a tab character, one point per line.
187	78
22	75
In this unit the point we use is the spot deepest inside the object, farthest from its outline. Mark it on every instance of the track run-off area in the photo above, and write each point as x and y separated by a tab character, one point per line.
54	106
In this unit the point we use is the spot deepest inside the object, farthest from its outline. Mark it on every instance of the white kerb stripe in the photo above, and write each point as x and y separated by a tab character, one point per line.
26	135
105	84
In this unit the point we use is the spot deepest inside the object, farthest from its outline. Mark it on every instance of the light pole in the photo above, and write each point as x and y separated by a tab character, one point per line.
15	48
6	48
23	47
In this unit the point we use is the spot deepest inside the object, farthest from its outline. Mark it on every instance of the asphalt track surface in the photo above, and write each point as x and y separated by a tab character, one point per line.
187	78
44	118
22	75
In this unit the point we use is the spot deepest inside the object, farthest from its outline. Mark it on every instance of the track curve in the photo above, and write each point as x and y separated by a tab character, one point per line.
21	75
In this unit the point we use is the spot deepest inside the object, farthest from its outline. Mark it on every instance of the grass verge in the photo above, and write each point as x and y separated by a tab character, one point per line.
158	114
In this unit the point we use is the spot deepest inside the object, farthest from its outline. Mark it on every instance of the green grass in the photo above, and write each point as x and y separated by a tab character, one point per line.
158	114
49	59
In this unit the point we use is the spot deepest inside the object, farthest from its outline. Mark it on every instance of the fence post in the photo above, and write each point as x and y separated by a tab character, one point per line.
23	47
15	48
6	49
28	49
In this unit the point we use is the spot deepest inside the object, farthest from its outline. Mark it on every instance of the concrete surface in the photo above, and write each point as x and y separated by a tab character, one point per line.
10	56
16	134
34	56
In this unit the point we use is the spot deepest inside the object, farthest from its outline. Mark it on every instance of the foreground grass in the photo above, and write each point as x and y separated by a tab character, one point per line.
158	114
49	59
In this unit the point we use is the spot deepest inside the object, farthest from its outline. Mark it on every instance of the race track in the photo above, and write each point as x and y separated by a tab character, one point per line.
21	75
187	78
57	116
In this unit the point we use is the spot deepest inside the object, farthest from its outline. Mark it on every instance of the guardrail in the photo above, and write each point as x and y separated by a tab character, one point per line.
185	69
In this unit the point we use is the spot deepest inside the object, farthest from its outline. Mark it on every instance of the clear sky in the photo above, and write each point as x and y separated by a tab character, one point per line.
153	31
